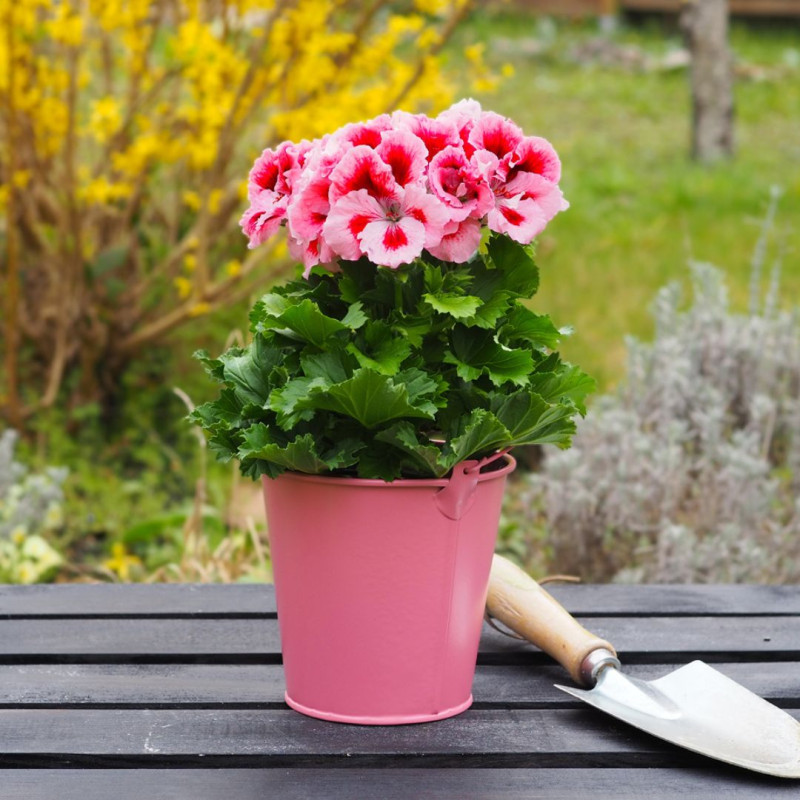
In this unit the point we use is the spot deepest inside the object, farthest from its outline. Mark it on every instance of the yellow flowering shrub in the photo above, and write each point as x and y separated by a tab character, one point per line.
127	127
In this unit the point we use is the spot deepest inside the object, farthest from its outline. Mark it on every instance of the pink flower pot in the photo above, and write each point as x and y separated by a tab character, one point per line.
381	590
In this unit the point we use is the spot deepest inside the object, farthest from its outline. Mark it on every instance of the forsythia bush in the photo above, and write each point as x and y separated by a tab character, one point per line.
126	128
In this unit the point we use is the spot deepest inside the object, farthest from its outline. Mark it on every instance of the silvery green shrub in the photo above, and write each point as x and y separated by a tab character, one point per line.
30	505
691	472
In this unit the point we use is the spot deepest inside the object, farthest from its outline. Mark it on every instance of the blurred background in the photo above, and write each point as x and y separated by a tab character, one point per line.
128	128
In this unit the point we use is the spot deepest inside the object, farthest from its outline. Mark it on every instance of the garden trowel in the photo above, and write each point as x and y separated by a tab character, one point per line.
695	706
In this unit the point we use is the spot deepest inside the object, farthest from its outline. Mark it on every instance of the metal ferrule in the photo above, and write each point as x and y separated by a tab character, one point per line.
595	663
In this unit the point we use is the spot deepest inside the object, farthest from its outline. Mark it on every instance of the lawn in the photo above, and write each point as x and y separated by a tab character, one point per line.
640	208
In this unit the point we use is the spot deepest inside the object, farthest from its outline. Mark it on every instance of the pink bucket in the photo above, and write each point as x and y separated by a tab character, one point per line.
381	590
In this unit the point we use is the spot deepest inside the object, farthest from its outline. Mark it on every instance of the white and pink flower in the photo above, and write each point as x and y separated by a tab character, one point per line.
396	186
390	230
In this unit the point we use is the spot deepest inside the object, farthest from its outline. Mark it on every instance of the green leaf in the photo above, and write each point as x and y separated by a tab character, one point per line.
515	261
537	329
379	349
477	352
569	382
213	366
299	455
291	402
531	420
370	398
424	390
489	312
299	320
378	461
481	432
247	370
331	366
355	316
424	456
227	409
458	306
308	322
224	443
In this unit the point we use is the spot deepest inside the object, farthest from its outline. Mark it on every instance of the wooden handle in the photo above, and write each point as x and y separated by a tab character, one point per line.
520	603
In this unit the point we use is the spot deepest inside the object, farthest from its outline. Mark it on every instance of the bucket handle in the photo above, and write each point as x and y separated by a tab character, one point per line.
455	499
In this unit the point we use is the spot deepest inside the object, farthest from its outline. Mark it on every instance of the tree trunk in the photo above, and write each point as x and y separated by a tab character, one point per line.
705	28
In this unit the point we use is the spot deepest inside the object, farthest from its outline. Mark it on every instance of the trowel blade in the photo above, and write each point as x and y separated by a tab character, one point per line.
703	710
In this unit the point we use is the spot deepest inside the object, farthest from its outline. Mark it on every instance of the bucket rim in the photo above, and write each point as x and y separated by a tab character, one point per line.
403	483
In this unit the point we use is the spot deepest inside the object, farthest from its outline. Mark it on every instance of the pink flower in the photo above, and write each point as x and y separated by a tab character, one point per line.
390	231
309	205
522	173
361	168
463	116
459	184
522	219
536	156
317	251
395	185
266	213
277	170
436	134
365	133
496	134
460	242
405	155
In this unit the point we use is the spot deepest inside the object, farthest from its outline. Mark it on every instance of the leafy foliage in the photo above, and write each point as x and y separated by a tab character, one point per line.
394	373
30	505
691	473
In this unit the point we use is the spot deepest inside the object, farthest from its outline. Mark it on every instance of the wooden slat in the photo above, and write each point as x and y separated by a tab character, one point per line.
699	783
231	640
151	600
262	686
640	639
229	738
176	600
223	639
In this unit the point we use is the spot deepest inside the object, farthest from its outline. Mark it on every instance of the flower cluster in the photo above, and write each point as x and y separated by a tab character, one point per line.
389	188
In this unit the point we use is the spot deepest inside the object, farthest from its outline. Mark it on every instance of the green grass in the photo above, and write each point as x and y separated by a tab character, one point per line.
640	208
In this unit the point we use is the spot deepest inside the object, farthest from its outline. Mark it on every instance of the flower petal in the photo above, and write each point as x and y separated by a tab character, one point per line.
426	209
461	244
348	217
405	154
535	155
390	243
521	219
496	134
264	217
436	134
361	168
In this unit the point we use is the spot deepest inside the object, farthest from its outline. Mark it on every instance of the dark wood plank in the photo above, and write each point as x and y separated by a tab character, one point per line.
126	639
234	640
262	686
283	738
151	600
699	783
142	685
154	600
277	738
650	639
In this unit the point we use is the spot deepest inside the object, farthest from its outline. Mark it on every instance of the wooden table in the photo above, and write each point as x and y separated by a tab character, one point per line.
114	692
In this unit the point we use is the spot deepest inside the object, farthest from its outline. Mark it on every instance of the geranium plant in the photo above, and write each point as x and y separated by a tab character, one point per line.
405	347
